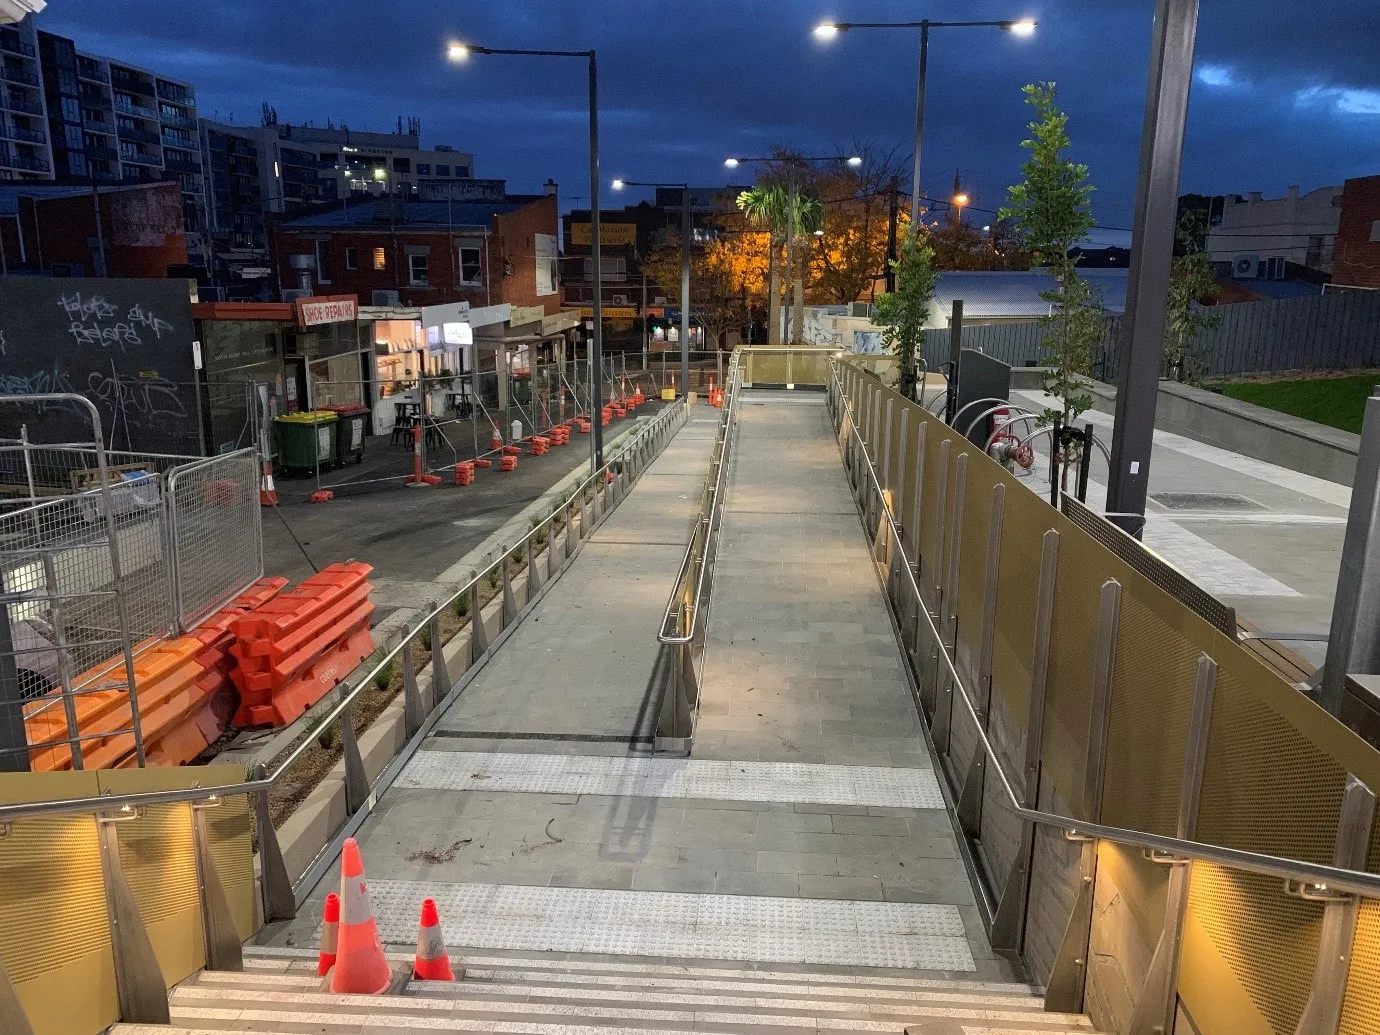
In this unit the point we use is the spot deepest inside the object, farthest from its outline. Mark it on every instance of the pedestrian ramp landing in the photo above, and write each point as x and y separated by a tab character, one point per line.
279	993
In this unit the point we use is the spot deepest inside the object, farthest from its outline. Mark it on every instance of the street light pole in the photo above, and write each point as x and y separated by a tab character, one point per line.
829	30
1152	256
915	191
461	52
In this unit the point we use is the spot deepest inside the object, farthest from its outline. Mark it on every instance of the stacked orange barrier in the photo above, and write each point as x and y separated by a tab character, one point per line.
540	445
560	435
508	463
464	472
584	425
184	692
512	450
292	650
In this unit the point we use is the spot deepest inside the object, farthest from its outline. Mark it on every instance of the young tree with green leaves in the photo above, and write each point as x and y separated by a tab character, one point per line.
1191	279
1052	212
902	313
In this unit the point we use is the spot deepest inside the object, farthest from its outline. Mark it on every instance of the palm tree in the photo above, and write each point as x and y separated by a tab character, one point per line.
768	206
809	217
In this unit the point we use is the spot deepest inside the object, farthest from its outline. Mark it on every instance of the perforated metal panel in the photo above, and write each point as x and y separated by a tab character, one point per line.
1361	1014
1152	694
1025	519
229	827
1267	939
1266	788
160	865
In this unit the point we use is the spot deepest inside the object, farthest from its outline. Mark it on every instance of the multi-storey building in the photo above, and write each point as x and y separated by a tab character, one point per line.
25	153
283	168
110	122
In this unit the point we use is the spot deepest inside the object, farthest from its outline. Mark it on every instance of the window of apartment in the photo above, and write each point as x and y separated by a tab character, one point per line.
1375	231
380	259
418	267
323	261
75	140
402	165
125	123
423	168
462	171
67	80
71	109
351	258
471	269
76	164
443	170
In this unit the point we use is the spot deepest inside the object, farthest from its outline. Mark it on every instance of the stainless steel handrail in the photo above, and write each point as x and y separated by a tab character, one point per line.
1356	882
129	802
711	517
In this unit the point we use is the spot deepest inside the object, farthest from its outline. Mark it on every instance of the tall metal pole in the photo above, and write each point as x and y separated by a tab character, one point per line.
790	251
685	292
919	124
1152	253
596	355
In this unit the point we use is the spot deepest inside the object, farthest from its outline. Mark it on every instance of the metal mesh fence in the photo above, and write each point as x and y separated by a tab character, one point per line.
216	532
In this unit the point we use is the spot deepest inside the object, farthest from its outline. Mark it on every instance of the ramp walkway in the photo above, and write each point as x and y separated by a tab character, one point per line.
806	828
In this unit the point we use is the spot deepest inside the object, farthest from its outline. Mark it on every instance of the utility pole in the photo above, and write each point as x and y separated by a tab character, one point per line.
892	217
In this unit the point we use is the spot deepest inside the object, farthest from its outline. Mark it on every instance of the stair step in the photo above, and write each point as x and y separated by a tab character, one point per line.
726	1009
472	988
300	958
478	982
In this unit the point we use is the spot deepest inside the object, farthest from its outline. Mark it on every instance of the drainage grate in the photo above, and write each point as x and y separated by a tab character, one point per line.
1205	501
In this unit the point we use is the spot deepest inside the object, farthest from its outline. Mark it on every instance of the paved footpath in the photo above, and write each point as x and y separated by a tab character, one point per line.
808	826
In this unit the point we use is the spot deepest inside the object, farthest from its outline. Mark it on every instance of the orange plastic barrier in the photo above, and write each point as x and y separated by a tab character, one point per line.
540	445
508	463
464	472
292	650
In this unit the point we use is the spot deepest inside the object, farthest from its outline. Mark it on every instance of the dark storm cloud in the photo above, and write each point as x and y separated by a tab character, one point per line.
1286	93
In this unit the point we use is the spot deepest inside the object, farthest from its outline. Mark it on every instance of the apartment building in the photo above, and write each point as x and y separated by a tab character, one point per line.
24	150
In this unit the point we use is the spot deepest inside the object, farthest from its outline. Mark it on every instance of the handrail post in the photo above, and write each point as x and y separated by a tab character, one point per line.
356	782
1009	922
222	941
510	608
942	725
1155	1007
479	634
440	678
970	800
414	711
138	979
1323	1013
1068	979
275	886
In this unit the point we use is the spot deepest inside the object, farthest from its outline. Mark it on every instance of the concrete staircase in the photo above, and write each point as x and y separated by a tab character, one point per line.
278	994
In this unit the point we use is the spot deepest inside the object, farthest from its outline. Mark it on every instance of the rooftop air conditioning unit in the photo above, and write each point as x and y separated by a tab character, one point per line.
1245	267
862	309
385	298
620	299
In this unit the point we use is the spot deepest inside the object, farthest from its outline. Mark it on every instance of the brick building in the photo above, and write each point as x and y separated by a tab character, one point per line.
1357	259
482	246
52	230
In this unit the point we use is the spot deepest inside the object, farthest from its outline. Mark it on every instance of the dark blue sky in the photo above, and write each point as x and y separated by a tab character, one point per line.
1284	92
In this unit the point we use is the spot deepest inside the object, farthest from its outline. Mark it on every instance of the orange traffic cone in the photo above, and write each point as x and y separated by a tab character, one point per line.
330	935
361	967
268	492
432	963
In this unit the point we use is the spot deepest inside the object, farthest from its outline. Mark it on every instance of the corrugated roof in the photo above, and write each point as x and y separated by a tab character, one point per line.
416	213
1002	293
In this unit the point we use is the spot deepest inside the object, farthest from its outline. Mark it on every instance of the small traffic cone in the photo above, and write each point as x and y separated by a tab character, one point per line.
432	963
361	967
330	935
268	492
495	439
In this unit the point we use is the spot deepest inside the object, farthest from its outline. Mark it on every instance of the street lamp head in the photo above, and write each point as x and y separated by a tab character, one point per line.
618	184
1024	27
732	163
826	31
986	229
855	161
819	233
960	199
457	51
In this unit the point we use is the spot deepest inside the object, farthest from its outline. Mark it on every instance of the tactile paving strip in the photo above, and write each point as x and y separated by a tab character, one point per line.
673	778
638	923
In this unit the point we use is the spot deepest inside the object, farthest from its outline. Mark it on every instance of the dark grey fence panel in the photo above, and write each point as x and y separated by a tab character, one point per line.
1336	331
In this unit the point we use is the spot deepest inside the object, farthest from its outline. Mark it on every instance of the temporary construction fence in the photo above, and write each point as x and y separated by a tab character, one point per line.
104	557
